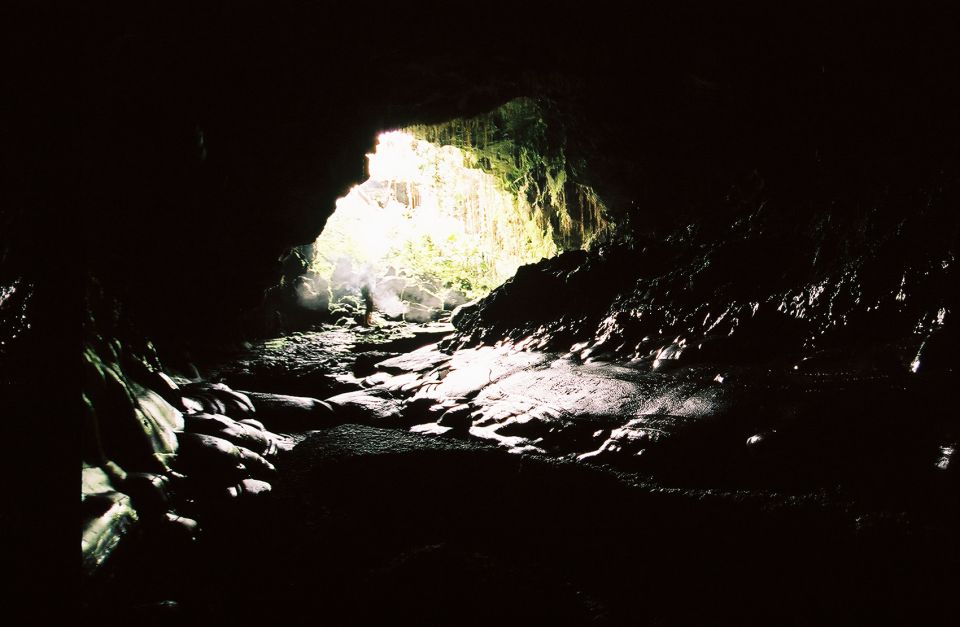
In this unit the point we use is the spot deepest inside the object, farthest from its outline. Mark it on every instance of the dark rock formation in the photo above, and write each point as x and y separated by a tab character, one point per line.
773	309
382	526
224	145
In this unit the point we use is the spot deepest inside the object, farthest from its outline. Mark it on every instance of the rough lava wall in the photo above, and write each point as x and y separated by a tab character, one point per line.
794	167
785	183
214	139
870	290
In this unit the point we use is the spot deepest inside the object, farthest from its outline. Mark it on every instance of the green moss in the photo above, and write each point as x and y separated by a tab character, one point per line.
461	205
523	145
125	421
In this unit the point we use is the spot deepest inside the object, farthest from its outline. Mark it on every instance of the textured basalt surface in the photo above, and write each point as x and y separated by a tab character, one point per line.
737	409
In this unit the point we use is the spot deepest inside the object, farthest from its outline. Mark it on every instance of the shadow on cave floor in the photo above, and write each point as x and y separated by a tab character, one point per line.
371	527
573	493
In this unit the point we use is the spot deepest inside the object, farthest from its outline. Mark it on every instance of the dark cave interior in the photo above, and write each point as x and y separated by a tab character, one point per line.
225	134
722	398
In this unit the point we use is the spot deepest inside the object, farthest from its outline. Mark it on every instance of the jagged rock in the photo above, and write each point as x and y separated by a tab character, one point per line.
393	384
464	313
531	421
191	405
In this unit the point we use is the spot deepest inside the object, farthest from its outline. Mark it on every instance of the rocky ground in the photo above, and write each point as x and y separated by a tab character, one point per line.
509	484
733	406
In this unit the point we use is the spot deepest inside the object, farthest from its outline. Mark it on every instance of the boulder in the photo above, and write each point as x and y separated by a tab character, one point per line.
417	312
281	413
365	408
459	418
217	398
464	313
249	488
209	457
313	293
242	434
454	298
417	295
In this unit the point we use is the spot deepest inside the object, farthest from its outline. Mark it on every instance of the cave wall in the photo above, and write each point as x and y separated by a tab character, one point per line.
213	138
174	152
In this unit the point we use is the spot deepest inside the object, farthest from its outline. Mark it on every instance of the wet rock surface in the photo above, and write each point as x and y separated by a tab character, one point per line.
500	484
735	410
695	426
777	319
739	290
317	363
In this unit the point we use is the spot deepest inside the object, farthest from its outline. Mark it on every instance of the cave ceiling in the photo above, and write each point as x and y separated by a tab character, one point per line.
214	137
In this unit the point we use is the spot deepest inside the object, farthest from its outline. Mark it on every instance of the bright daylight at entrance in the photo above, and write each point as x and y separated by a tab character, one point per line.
426	232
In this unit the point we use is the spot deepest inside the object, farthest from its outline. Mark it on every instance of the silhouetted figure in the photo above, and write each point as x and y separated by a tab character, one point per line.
365	292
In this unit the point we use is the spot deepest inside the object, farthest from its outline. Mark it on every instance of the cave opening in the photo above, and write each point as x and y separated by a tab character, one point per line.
447	213
427	231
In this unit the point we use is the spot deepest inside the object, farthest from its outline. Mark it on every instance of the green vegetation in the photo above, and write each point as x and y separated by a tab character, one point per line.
456	263
522	144
462	205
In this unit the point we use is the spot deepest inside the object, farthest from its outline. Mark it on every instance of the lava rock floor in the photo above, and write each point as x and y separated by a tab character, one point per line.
713	509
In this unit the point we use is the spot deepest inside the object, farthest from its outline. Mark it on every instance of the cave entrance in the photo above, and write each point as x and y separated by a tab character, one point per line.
449	212
427	231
